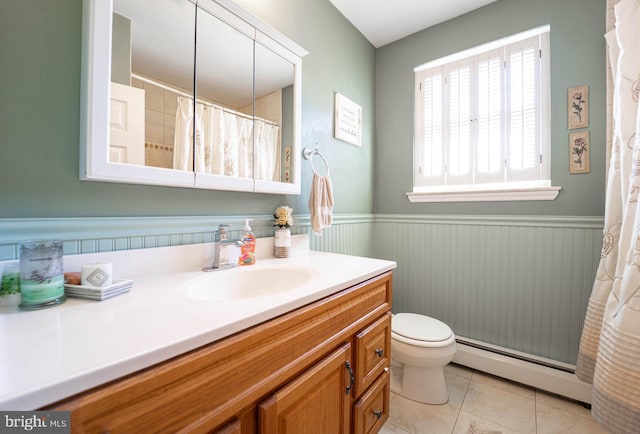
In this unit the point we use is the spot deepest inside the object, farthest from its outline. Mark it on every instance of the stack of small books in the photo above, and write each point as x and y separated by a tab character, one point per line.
96	293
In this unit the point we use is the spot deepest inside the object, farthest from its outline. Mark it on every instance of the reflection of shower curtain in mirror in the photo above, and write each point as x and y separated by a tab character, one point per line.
224	142
266	140
182	148
213	140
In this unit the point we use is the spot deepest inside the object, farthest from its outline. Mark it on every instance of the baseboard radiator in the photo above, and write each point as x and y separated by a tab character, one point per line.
545	374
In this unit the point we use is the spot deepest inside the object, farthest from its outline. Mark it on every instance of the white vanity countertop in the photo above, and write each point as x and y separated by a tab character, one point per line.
50	354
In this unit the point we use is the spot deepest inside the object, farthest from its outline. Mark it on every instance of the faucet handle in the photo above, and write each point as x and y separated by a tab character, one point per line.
222	232
223	227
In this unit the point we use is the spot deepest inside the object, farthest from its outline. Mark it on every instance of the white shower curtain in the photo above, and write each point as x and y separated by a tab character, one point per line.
213	140
183	137
266	140
224	142
245	147
609	354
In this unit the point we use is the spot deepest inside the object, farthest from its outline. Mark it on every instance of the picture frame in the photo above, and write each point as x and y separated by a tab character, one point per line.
347	120
579	152
578	107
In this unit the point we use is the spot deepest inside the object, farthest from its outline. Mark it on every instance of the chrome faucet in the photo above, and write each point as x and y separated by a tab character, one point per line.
221	250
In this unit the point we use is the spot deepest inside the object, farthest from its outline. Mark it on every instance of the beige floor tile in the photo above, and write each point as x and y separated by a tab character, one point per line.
561	403
471	424
459	370
457	387
553	420
501	383
417	418
500	405
389	428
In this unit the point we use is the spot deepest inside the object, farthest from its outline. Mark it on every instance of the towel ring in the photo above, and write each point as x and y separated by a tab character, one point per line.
308	154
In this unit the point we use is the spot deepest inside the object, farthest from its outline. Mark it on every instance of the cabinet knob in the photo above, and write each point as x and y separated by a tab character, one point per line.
377	414
379	352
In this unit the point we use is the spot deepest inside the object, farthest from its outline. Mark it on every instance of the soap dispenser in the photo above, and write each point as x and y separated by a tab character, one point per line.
248	248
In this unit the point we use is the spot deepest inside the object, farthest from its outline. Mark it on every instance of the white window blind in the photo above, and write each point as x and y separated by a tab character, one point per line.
481	117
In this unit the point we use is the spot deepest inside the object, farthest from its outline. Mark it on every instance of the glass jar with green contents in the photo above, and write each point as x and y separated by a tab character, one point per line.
10	285
41	274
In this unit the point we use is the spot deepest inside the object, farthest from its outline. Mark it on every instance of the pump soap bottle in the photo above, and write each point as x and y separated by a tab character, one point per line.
248	248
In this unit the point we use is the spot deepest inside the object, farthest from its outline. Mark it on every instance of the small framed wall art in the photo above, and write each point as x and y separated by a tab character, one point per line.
578	107
348	120
579	152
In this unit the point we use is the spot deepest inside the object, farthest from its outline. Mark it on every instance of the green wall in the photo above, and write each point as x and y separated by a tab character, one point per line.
39	111
577	57
39	129
40	103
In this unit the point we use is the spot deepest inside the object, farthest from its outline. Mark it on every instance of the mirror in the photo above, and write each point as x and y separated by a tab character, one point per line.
151	72
274	108
200	96
224	146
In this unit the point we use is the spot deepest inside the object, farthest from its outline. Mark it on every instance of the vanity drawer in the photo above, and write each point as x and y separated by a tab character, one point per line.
372	410
373	352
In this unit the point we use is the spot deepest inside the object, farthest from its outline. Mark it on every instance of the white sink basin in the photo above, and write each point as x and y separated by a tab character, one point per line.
244	282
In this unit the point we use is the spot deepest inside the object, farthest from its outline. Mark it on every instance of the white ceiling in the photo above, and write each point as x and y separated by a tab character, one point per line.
385	21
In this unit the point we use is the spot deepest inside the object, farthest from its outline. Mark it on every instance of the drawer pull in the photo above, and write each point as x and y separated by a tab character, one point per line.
379	352
352	377
377	414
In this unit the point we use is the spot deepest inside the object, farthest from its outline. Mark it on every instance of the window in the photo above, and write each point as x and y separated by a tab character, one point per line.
482	122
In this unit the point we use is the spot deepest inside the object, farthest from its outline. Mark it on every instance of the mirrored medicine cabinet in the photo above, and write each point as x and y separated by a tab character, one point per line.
188	93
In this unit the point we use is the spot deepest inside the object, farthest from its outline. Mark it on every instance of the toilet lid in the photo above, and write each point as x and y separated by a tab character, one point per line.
420	327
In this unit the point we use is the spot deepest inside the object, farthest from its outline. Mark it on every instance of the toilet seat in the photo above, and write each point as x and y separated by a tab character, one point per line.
421	330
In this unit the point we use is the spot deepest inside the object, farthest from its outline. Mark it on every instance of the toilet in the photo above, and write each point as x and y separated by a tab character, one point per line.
420	348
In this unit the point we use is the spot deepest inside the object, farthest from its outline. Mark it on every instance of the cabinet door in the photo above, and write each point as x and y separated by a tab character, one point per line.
373	352
317	402
372	409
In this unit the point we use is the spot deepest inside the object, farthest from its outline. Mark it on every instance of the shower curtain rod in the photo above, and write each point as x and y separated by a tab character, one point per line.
187	95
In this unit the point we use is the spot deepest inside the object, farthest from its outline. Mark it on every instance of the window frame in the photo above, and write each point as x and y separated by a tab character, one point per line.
508	184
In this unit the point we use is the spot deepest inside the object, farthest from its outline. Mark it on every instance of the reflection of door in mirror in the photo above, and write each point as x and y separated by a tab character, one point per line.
126	124
152	50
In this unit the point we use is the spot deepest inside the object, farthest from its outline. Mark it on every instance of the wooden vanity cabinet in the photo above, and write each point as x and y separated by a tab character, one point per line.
322	368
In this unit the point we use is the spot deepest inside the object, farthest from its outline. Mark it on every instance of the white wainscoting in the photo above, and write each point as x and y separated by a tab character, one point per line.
519	282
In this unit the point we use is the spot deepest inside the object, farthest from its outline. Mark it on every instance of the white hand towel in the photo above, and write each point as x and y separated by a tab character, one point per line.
321	203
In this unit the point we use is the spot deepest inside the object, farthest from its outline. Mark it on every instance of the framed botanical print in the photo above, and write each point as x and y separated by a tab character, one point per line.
578	107
579	152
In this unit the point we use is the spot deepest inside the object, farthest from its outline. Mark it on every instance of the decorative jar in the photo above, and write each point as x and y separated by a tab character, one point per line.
283	220
41	274
282	243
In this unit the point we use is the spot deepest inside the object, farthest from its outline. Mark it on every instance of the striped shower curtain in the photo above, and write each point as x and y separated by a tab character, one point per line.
609	354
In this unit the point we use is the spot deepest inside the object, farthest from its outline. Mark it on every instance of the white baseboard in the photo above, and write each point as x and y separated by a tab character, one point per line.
533	374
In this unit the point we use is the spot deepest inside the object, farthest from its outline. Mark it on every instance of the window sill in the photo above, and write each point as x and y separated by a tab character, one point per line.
513	194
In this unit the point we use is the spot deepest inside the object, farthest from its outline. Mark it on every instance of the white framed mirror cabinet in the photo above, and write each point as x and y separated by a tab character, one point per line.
186	93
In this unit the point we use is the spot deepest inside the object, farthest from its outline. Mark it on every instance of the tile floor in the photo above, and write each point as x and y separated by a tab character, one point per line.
483	404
